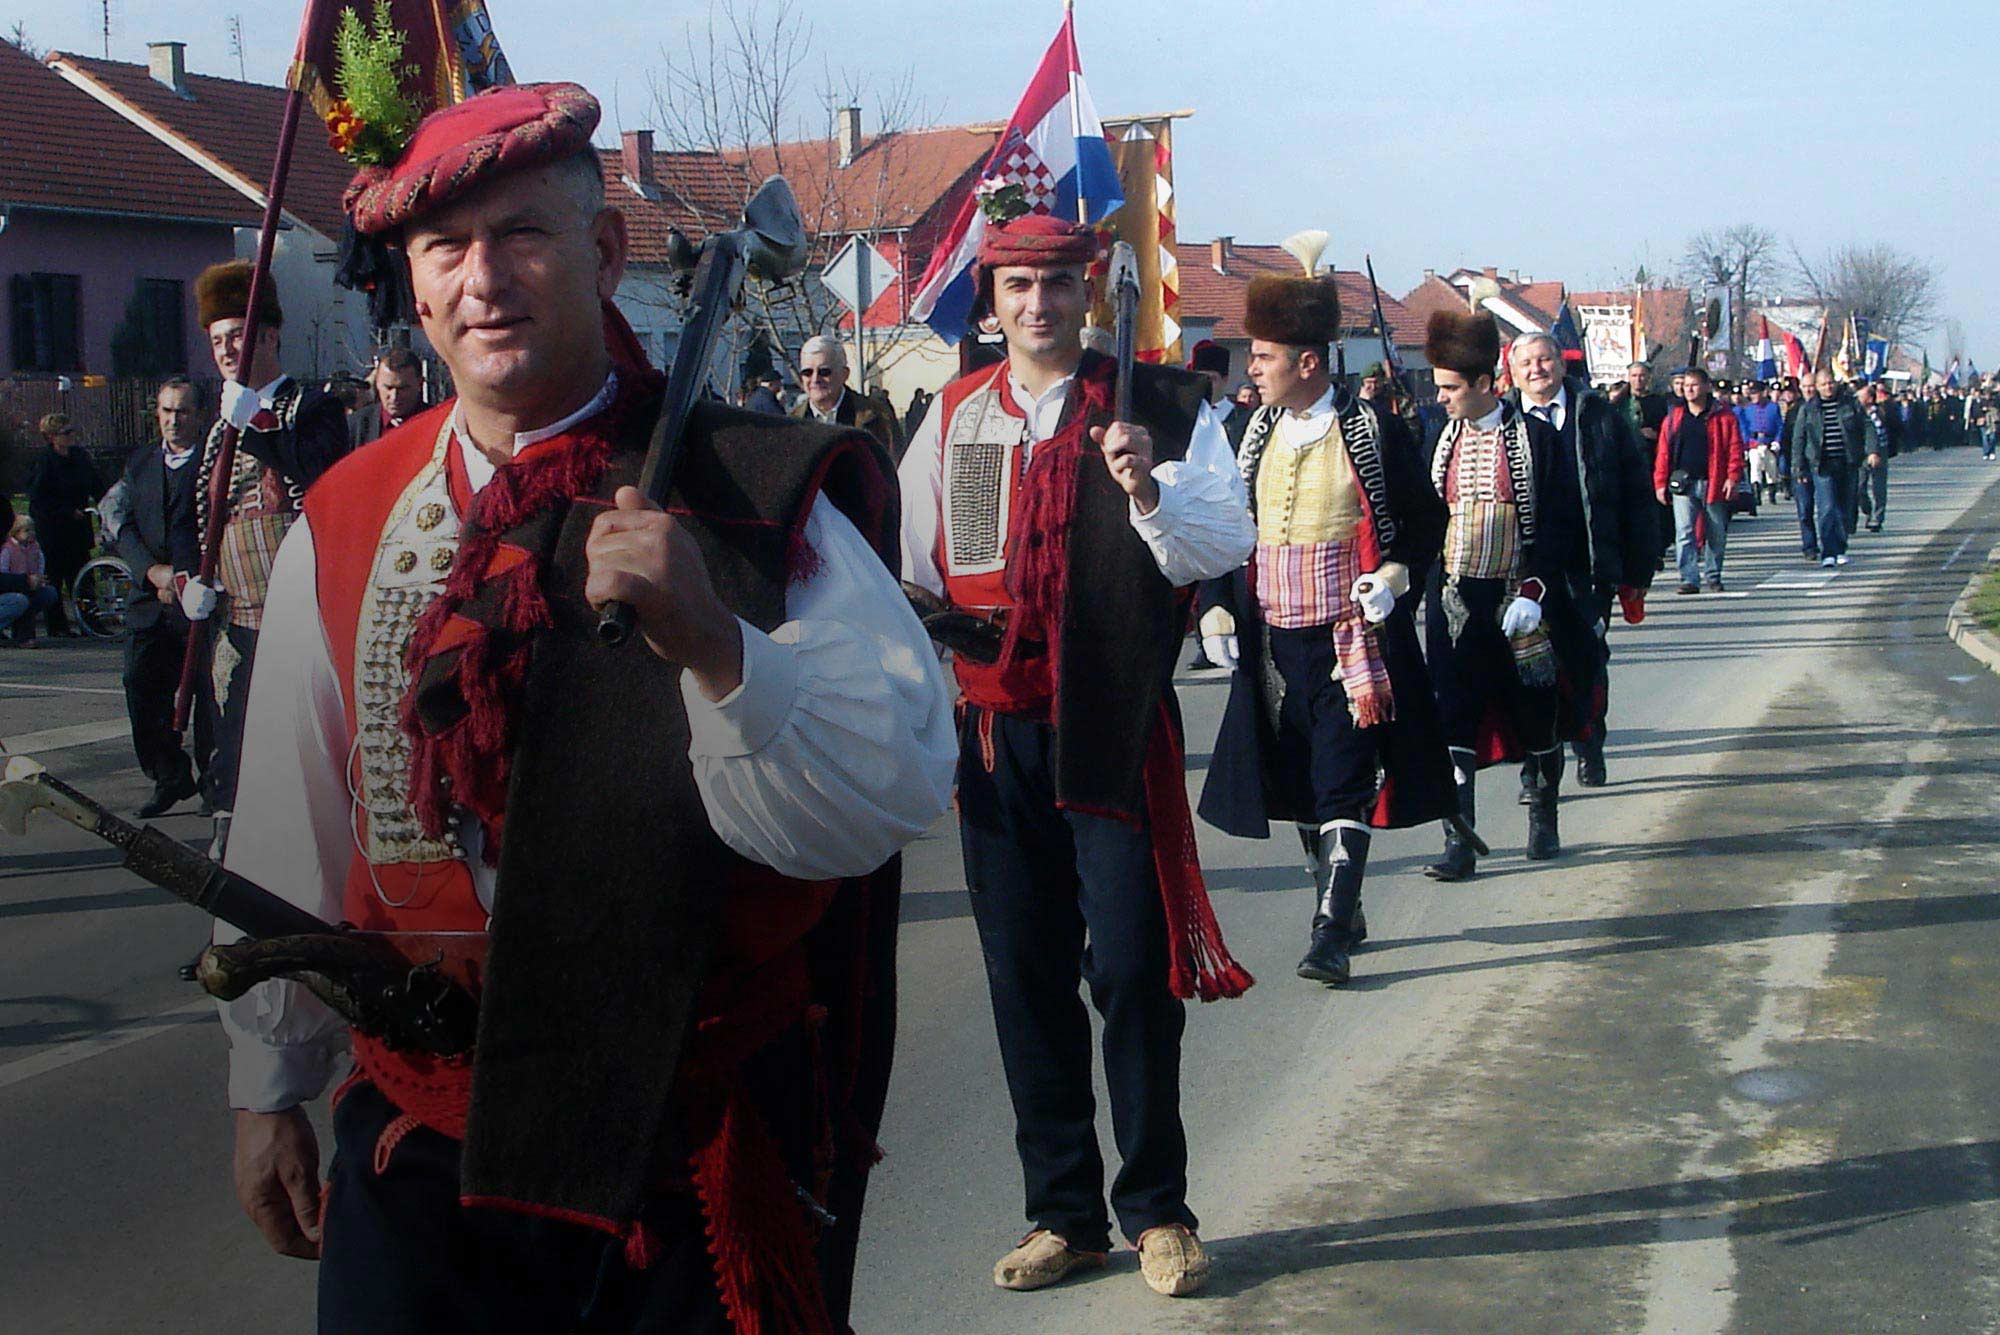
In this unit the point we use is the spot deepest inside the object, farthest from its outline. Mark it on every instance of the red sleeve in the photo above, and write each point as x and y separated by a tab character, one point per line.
1732	441
1663	448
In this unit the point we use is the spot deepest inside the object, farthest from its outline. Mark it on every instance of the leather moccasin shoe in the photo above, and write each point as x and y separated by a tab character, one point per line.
1173	1260
1042	1258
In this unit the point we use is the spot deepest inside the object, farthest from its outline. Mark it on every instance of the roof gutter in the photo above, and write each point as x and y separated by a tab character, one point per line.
214	166
132	215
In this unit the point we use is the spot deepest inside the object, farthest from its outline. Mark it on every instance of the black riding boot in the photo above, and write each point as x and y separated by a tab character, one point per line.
1459	861
1309	839
1543	840
1589	762
1342	861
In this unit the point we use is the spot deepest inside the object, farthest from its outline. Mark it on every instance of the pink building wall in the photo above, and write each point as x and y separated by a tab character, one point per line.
110	255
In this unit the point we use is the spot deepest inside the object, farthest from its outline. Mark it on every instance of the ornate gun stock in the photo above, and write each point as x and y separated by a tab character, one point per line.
391	988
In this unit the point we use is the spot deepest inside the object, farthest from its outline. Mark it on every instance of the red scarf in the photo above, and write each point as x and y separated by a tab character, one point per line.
473	643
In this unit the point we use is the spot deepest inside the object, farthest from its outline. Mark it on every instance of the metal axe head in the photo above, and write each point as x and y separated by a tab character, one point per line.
1124	267
774	233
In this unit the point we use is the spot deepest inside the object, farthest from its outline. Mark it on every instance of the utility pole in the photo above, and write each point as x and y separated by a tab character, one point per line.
236	45
105	6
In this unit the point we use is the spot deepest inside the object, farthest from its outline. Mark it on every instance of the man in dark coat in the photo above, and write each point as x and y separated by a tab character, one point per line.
828	400
61	487
1830	439
159	542
1331	689
1621	518
397	394
1505	640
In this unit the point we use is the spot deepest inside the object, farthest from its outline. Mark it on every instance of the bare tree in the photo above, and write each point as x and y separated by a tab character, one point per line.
735	102
1743	259
1899	295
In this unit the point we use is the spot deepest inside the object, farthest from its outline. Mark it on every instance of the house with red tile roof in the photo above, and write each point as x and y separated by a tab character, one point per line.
1215	276
228	129
102	232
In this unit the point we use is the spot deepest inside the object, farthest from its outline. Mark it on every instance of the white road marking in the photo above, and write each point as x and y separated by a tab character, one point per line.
110	1040
59	739
72	690
1952	560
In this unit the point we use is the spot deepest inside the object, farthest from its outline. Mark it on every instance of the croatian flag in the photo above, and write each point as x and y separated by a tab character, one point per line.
1767	360
1796	361
1951	376
1053	148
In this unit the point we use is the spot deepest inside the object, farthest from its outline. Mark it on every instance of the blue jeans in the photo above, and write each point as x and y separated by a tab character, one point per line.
1832	493
1715	536
22	608
1986	442
1802	497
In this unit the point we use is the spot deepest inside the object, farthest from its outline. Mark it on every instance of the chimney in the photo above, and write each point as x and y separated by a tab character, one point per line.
636	148
1218	253
1493	272
1430	274
847	131
168	63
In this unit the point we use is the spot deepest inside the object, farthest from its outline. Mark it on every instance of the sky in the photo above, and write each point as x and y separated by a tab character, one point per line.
1568	141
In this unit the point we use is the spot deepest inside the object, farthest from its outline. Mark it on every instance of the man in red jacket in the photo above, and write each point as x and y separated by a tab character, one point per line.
1698	464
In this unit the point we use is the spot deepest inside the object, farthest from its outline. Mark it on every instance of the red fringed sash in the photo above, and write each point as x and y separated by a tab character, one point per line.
1198	962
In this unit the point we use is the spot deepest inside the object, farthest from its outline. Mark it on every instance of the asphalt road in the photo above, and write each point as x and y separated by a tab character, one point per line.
1726	1066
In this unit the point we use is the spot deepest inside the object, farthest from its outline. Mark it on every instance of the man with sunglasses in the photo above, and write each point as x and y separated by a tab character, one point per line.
823	371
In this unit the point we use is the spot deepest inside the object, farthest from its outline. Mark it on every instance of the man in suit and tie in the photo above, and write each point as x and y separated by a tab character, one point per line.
161	543
398	382
823	371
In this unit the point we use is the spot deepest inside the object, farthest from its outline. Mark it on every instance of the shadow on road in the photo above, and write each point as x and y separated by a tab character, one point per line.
1686	931
1800	1205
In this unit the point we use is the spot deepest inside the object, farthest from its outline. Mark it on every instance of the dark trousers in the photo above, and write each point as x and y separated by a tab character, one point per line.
1477	675
1802	498
1833	508
1595	609
1317	731
153	658
235	707
401	1256
1059	897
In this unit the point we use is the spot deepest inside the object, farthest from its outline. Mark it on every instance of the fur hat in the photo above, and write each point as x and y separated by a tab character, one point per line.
1299	312
1465	342
1208	355
223	293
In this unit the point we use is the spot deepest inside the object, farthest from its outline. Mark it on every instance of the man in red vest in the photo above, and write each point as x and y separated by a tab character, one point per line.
641	851
1026	503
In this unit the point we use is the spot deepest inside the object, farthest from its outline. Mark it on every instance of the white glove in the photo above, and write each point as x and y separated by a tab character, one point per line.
1377	599
1522	616
1220	649
239	405
197	600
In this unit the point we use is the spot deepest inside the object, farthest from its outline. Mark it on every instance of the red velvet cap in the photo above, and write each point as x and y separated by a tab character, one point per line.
1040	241
458	148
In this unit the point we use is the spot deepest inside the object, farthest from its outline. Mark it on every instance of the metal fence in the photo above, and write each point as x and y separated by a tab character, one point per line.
113	415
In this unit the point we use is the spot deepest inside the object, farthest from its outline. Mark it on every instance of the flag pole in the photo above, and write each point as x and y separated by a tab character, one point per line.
1077	114
225	457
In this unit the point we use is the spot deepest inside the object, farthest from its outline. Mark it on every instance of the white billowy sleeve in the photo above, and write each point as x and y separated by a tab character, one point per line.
1202	526
290	833
921	478
837	748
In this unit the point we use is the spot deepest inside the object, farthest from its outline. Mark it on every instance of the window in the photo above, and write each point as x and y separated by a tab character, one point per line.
151	339
45	311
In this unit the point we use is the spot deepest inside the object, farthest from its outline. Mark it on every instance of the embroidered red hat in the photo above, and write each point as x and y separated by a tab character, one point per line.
1040	241
458	148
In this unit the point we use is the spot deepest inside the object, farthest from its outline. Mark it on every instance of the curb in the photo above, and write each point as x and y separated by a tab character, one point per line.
1966	632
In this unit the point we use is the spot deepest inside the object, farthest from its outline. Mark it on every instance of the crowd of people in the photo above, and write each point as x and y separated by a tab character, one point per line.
679	857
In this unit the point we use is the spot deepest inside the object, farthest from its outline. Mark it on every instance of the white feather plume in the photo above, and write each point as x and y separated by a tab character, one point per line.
1306	248
1483	290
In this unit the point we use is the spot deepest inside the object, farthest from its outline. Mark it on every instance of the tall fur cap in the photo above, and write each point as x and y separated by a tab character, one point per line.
1299	312
1465	342
222	292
